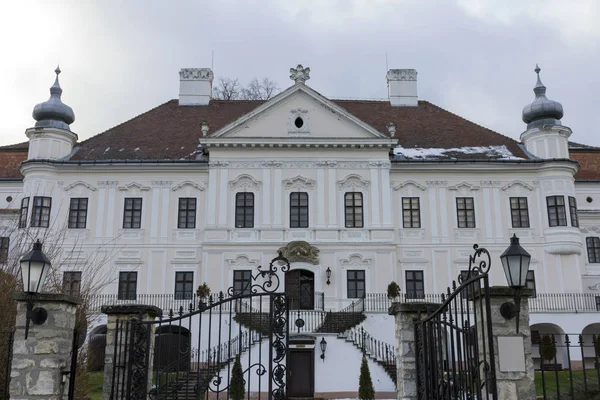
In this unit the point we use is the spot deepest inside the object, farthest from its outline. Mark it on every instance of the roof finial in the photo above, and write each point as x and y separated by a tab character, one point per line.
537	71
57	70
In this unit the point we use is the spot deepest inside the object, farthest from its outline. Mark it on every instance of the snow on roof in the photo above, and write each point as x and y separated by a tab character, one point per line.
493	152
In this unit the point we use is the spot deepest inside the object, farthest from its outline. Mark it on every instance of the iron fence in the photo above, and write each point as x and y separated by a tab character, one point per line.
542	302
567	365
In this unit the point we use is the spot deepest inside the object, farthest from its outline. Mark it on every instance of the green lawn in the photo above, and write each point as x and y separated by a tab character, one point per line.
96	380
564	383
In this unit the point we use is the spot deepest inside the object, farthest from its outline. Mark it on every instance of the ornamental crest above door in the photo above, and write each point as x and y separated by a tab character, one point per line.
300	251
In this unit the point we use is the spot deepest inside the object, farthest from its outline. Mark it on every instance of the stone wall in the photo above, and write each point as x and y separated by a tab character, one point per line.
41	362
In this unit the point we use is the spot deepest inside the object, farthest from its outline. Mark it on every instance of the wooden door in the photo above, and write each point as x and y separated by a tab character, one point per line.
300	373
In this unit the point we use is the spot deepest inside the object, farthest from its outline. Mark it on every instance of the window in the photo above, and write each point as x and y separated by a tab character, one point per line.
465	211
4	245
353	205
244	210
356	284
556	211
593	249
24	212
78	213
184	285
519	212
72	283
573	211
299	210
530	282
127	285
242	282
187	213
40	216
411	215
597	303
132	214
415	288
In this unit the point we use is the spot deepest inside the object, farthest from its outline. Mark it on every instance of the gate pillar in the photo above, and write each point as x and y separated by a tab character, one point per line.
512	350
41	363
116	341
406	363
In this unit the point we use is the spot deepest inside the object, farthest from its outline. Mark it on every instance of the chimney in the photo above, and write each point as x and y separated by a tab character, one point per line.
402	87
195	86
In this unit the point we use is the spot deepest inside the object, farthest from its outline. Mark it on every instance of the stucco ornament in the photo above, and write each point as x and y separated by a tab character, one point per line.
300	251
299	74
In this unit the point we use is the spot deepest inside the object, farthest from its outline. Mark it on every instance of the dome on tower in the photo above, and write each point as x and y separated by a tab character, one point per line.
53	113
542	111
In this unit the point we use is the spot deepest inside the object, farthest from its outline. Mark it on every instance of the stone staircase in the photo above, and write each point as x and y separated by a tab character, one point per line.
338	322
382	353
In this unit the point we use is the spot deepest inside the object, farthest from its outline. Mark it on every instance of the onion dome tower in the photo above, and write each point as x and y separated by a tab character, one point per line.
545	136
51	137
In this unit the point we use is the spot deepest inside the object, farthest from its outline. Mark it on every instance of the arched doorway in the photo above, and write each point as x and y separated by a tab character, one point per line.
172	348
300	289
96	348
538	331
588	345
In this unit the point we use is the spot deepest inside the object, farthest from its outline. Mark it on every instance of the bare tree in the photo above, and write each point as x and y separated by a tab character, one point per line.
68	252
227	89
230	89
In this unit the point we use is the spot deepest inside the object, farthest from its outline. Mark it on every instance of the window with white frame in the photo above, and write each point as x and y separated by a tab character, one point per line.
40	214
519	212
557	215
411	212
78	213
465	212
184	285
353	209
298	210
132	213
244	210
415	285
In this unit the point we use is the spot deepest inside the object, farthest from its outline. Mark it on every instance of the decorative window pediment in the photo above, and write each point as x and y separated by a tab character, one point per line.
299	182
242	260
464	186
79	183
355	260
245	182
353	182
518	185
133	186
188	184
409	183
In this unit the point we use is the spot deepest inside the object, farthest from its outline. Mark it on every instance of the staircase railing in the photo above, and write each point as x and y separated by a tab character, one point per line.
374	348
357	306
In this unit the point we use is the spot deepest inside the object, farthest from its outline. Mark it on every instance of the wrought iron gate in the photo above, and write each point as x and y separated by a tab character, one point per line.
454	345
231	344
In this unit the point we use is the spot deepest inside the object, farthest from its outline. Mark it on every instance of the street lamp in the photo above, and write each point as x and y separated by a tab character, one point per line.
515	261
323	345
34	269
328	275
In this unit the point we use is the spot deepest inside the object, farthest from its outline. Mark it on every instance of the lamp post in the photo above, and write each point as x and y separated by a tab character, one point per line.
328	275
323	345
515	261
34	269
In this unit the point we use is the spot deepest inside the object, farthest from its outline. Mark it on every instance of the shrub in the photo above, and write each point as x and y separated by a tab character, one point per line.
203	291
365	385
393	290
547	348
237	385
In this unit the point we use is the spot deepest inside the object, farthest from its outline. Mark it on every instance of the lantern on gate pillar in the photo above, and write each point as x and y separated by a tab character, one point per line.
34	269
515	261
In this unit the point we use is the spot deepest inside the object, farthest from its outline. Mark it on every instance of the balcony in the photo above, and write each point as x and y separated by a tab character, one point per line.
373	302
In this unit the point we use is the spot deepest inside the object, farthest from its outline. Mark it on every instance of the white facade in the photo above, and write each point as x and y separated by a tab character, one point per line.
333	153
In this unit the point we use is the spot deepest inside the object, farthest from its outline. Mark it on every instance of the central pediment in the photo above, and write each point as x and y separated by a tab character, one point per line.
299	113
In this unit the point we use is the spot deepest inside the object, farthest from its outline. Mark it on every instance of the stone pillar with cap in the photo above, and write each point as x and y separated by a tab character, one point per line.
512	350
41	363
406	363
117	343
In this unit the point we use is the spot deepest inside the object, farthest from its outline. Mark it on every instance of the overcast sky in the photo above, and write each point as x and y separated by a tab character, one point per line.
474	57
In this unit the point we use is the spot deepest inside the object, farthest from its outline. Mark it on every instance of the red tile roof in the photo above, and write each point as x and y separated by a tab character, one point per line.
170	131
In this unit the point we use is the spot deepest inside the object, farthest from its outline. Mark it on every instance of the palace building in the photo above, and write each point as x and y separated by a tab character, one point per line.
355	193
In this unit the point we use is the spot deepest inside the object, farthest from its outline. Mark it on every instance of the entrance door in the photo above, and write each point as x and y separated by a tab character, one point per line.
301	373
300	289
